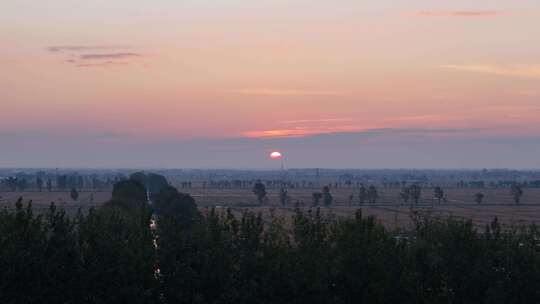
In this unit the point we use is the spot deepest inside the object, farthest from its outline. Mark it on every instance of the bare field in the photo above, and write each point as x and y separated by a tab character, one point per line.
42	200
388	210
239	197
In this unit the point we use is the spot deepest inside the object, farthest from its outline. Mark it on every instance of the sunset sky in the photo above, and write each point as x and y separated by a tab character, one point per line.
219	83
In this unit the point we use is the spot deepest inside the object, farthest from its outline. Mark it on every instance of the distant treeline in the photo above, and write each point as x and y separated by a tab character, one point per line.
115	254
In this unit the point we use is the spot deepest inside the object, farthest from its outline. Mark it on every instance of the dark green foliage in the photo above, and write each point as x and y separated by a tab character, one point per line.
108	256
172	203
118	257
128	195
154	183
103	257
38	256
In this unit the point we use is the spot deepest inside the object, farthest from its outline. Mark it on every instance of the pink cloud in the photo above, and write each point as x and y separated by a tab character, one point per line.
101	64
523	71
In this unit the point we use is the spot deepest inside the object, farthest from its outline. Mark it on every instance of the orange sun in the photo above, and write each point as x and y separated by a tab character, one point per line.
275	155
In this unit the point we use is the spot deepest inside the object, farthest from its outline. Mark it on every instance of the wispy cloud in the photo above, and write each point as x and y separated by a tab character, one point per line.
286	92
524	71
84	48
89	56
320	120
278	133
108	56
102	64
460	13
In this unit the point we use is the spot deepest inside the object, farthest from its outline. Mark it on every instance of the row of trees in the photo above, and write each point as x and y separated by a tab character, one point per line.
111	255
104	256
54	182
408	195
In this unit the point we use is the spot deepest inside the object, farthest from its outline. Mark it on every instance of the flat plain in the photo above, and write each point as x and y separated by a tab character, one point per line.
388	209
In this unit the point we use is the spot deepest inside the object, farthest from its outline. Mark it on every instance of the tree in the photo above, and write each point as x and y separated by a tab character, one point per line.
39	184
21	184
439	194
405	194
416	192
478	197
74	194
283	196
169	202
516	192
61	182
372	194
128	195
49	185
362	194
327	197
316	198
259	189
155	183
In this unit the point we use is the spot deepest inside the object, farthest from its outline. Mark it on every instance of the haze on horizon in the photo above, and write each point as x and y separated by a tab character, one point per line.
220	83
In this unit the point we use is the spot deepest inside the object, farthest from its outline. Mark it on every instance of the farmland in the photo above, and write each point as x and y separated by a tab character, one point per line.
389	209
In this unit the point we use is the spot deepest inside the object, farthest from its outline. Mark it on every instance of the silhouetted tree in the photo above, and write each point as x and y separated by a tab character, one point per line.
362	194
39	184
516	192
283	196
61	182
316	198
22	184
327	197
49	185
372	194
478	197
438	193
405	194
259	189
128	195
74	194
416	192
169	202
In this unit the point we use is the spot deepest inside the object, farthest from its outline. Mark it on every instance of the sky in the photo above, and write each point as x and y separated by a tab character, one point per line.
221	83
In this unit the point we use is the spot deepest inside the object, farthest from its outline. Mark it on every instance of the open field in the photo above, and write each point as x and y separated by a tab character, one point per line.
389	196
42	200
388	209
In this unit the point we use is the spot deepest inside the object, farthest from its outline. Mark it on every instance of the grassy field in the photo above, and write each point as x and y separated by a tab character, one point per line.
388	209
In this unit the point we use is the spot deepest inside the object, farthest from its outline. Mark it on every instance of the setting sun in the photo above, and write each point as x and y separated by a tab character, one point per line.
276	155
